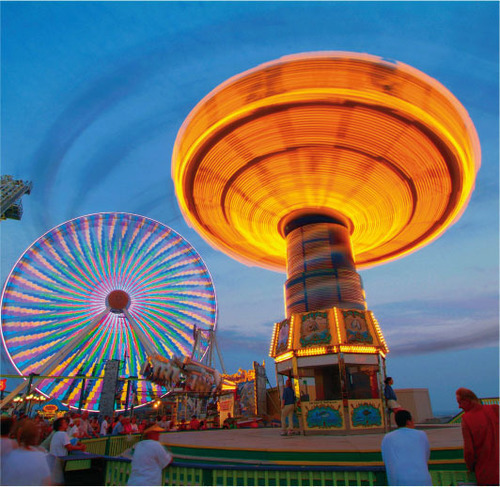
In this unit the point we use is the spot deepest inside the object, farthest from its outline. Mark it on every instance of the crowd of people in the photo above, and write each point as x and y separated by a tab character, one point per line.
31	448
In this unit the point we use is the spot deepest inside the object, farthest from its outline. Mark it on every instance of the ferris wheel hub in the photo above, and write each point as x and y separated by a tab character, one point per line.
118	300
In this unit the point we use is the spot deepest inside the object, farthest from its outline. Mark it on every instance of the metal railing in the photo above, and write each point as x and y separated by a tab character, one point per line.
457	419
117	470
111	445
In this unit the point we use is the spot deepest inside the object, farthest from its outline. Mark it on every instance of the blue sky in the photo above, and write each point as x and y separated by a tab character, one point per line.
93	95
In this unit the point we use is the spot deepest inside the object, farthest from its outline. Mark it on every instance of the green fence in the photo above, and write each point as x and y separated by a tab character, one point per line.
485	400
112	446
118	471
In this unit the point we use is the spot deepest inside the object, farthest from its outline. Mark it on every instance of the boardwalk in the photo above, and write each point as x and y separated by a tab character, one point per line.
266	446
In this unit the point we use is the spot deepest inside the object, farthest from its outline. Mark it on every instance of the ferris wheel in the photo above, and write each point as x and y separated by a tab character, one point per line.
102	287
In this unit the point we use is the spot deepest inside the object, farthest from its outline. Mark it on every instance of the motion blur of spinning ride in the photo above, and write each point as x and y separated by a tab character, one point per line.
100	287
322	163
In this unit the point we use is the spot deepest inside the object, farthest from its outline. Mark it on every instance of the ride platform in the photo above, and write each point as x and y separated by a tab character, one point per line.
265	446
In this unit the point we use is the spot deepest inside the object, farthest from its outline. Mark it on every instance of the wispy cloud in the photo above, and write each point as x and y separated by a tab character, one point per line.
102	94
415	327
410	327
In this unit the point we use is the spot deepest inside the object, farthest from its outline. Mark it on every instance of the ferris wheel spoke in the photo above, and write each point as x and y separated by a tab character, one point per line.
140	334
71	271
54	361
177	332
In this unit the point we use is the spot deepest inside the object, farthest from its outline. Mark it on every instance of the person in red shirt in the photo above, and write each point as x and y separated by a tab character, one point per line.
127	427
480	433
143	425
194	424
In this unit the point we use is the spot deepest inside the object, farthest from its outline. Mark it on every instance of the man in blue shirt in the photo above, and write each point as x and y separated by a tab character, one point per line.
287	408
118	428
405	452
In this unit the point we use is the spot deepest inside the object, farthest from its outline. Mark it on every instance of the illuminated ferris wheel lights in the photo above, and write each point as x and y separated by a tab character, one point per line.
60	294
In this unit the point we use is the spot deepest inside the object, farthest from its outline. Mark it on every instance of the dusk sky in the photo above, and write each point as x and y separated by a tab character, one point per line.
93	95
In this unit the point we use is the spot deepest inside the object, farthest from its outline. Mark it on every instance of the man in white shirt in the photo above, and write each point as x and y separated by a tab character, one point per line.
86	429
105	425
406	452
60	444
149	459
75	429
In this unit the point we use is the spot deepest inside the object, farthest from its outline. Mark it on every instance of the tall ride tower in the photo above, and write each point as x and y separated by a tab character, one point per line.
321	164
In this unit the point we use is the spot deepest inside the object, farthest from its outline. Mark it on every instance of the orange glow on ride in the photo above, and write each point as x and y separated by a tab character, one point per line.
358	349
379	142
283	357
379	332
306	352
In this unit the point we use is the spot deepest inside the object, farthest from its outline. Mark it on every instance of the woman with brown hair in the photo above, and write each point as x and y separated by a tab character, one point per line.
26	465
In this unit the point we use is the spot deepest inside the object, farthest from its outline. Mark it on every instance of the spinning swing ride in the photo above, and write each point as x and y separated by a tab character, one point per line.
319	164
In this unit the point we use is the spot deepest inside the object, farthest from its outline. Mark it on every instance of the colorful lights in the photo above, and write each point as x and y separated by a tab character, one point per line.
291	332
306	352
379	332
273	339
283	357
63	281
358	349
385	145
337	324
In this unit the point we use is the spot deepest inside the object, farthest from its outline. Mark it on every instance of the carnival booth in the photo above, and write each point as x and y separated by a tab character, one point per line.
336	359
245	396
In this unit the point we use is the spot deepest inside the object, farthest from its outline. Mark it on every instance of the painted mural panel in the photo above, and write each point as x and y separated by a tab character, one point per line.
320	415
246	398
366	413
282	337
357	328
315	329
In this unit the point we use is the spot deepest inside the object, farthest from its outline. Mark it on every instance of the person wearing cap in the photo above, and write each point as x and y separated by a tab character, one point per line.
149	459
